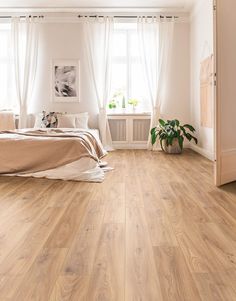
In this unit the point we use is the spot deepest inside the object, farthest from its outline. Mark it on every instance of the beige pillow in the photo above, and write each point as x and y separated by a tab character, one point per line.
66	121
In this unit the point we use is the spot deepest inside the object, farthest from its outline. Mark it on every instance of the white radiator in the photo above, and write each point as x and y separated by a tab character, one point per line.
141	129
118	129
129	131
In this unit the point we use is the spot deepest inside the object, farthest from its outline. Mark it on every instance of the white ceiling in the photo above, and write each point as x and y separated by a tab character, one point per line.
180	5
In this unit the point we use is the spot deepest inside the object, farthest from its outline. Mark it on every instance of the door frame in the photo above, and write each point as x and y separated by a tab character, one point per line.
217	100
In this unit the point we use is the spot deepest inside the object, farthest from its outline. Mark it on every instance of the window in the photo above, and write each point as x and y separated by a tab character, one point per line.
8	99
128	82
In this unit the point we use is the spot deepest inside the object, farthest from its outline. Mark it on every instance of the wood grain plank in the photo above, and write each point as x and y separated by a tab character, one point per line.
68	225
176	280
220	244
115	202
29	246
79	262
142	282
215	287
107	278
70	288
42	275
156	229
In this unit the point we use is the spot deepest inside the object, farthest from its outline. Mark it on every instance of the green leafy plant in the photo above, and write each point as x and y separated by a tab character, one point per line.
112	104
171	130
116	100
133	101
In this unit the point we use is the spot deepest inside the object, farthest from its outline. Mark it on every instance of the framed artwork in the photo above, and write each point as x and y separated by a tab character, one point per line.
65	80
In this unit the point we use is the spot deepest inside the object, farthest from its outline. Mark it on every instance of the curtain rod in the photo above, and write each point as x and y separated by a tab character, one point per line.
10	17
130	17
95	16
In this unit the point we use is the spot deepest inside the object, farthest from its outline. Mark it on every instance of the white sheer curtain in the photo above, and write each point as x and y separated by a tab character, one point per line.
98	35
8	99
25	48
155	39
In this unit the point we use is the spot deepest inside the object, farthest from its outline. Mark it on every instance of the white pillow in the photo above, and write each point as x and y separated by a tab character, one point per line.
66	121
38	121
81	120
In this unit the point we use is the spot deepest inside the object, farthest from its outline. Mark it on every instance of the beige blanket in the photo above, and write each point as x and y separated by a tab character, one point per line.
29	151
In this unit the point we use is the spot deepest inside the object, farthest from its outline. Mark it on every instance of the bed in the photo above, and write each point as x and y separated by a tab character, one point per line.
53	153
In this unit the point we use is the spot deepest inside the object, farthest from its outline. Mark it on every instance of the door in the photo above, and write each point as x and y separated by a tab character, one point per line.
225	103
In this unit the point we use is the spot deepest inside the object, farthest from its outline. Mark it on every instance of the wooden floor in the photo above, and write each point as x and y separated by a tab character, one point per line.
156	229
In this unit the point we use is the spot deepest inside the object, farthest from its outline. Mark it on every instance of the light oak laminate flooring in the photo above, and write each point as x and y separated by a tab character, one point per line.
157	229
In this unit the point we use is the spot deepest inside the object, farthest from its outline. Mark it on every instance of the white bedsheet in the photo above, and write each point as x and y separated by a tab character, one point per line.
85	169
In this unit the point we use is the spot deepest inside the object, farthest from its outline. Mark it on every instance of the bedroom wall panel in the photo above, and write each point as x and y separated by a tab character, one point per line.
64	41
201	45
177	104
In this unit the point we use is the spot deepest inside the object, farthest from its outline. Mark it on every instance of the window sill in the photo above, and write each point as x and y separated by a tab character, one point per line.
127	112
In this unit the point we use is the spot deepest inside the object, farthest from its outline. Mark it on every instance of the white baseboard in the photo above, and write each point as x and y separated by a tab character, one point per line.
130	146
196	148
205	153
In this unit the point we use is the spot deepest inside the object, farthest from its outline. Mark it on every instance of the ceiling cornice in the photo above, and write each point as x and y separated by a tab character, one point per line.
91	9
196	7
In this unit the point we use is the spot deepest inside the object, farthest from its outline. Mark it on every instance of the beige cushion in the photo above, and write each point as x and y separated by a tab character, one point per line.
66	121
7	120
47	119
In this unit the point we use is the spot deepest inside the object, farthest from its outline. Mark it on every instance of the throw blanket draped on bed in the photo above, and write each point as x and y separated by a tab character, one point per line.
30	151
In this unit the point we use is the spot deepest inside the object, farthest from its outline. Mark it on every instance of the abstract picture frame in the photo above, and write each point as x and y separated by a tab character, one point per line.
65	80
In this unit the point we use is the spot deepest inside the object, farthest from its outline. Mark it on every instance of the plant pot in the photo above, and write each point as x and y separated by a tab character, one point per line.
172	149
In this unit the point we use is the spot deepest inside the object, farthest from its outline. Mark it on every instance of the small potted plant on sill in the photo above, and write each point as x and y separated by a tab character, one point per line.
171	135
112	104
117	100
133	102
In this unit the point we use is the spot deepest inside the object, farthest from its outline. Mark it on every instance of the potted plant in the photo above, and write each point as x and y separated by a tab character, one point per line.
133	102
171	135
117	100
112	104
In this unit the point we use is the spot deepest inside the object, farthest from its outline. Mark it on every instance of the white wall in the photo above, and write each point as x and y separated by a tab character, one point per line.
177	104
64	41
201	45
